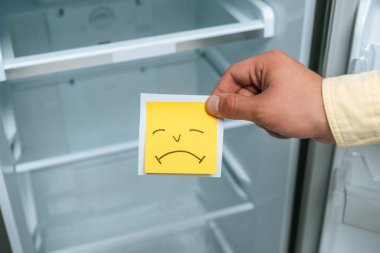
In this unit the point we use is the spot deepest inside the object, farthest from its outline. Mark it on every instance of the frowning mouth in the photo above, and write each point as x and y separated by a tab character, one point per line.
180	151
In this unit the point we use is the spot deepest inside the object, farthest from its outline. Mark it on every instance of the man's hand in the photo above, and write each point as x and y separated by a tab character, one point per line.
277	93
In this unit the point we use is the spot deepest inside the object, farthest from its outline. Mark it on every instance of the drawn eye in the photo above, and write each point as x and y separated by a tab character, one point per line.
196	130
158	130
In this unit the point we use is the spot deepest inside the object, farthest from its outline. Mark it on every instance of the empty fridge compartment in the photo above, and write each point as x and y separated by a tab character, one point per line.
362	205
81	115
102	204
35	37
77	169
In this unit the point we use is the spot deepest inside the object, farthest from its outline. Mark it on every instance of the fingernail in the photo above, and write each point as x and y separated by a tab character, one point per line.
212	104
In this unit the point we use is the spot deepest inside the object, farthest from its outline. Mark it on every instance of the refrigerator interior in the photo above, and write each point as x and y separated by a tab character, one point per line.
72	136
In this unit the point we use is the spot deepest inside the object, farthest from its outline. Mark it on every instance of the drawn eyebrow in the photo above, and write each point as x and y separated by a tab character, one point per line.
157	130
196	130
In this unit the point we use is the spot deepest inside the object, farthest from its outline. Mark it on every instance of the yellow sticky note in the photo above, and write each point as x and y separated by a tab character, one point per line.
180	138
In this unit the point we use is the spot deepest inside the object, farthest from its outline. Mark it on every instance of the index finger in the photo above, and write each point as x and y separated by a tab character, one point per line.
239	76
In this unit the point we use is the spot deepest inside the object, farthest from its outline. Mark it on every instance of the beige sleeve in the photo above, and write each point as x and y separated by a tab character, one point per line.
352	104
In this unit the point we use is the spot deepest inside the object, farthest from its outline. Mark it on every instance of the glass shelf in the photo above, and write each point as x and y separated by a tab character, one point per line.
35	37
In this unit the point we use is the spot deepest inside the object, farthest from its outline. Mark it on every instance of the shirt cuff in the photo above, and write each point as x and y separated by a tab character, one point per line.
352	104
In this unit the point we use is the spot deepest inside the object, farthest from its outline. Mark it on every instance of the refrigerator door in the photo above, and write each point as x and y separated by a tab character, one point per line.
352	215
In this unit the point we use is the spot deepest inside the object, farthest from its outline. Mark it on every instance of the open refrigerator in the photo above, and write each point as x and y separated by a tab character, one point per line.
70	77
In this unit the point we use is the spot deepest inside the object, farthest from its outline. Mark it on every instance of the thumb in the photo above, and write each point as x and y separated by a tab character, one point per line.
233	106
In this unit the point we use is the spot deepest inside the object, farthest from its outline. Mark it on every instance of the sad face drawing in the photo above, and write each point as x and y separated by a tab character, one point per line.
180	138
159	158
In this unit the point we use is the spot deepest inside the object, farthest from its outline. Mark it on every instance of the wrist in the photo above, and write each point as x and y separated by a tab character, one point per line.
324	133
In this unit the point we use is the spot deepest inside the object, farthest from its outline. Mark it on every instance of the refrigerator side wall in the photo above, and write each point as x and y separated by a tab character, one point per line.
11	207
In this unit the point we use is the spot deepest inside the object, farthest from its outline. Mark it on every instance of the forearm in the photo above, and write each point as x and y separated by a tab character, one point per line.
352	105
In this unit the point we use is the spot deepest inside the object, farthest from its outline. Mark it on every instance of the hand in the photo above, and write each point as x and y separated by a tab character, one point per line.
277	93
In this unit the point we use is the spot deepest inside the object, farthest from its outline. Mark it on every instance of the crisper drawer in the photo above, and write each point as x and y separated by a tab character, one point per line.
40	37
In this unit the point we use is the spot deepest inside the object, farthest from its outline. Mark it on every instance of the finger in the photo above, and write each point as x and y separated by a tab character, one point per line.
246	92
238	75
254	90
234	106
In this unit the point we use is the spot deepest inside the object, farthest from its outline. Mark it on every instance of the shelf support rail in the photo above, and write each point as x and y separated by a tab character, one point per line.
267	14
2	70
